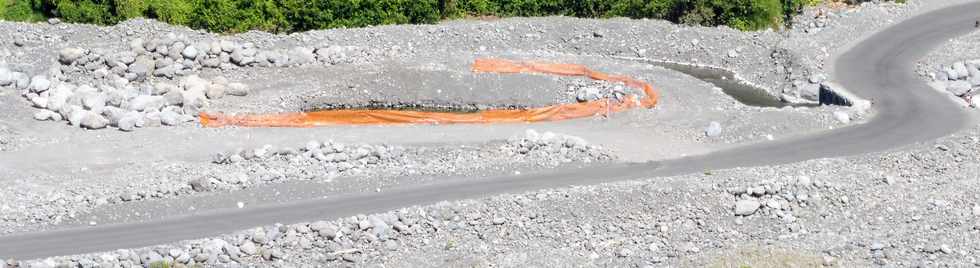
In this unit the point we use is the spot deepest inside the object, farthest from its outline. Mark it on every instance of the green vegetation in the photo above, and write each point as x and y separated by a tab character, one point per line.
302	15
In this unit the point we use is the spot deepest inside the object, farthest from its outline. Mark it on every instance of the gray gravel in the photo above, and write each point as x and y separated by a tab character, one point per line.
910	207
820	212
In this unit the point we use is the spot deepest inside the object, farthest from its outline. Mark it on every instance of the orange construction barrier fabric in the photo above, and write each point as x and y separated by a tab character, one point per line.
378	117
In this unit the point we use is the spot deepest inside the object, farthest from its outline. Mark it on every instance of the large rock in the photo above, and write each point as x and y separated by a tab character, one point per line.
589	93
114	114
324	229
94	101
746	207
176	50
974	80
195	83
143	66
130	121
713	129
67	56
162	88
301	55
248	247
174	98
810	91
237	89
243	56
959	88
216	91
961	70
190	52
94	121
123	58
211	63
168	71
44	115
201	184
169	118
951	73
20	80
146	103
193	102
6	77
228	46
39	84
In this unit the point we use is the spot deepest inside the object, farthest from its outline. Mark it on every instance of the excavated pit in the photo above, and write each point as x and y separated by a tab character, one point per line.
535	84
410	88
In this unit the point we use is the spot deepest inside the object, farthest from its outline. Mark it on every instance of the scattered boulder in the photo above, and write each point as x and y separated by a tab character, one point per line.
959	70
216	91
713	129
190	52
144	103
587	94
746	207
6	77
959	88
130	121
169	118
20	80
39	84
45	115
143	66
94	121
67	56
237	89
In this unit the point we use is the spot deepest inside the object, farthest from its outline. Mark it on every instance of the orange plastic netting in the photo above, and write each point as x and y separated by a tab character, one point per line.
549	113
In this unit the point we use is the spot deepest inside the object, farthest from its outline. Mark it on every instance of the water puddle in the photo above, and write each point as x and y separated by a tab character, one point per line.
742	92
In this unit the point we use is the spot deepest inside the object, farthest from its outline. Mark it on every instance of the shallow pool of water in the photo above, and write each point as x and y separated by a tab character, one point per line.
742	92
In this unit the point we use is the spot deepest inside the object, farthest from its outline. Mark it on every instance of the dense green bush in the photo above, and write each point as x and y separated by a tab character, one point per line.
301	15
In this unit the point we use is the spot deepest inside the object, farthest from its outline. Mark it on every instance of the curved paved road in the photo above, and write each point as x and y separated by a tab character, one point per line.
879	68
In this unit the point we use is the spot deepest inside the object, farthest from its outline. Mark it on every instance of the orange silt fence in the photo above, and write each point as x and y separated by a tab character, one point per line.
381	117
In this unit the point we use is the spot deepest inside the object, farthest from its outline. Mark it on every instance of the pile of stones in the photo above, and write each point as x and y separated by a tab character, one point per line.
154	82
335	157
174	55
779	198
126	107
961	78
590	90
555	147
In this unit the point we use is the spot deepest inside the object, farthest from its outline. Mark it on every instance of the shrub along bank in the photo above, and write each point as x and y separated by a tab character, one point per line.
302	15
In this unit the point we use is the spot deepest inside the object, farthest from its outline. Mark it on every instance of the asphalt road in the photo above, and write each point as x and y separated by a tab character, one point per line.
880	68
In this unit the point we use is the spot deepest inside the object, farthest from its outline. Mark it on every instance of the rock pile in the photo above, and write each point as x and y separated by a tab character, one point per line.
961	78
780	198
590	90
153	82
804	86
328	159
334	157
175	55
125	106
814	20
555	147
